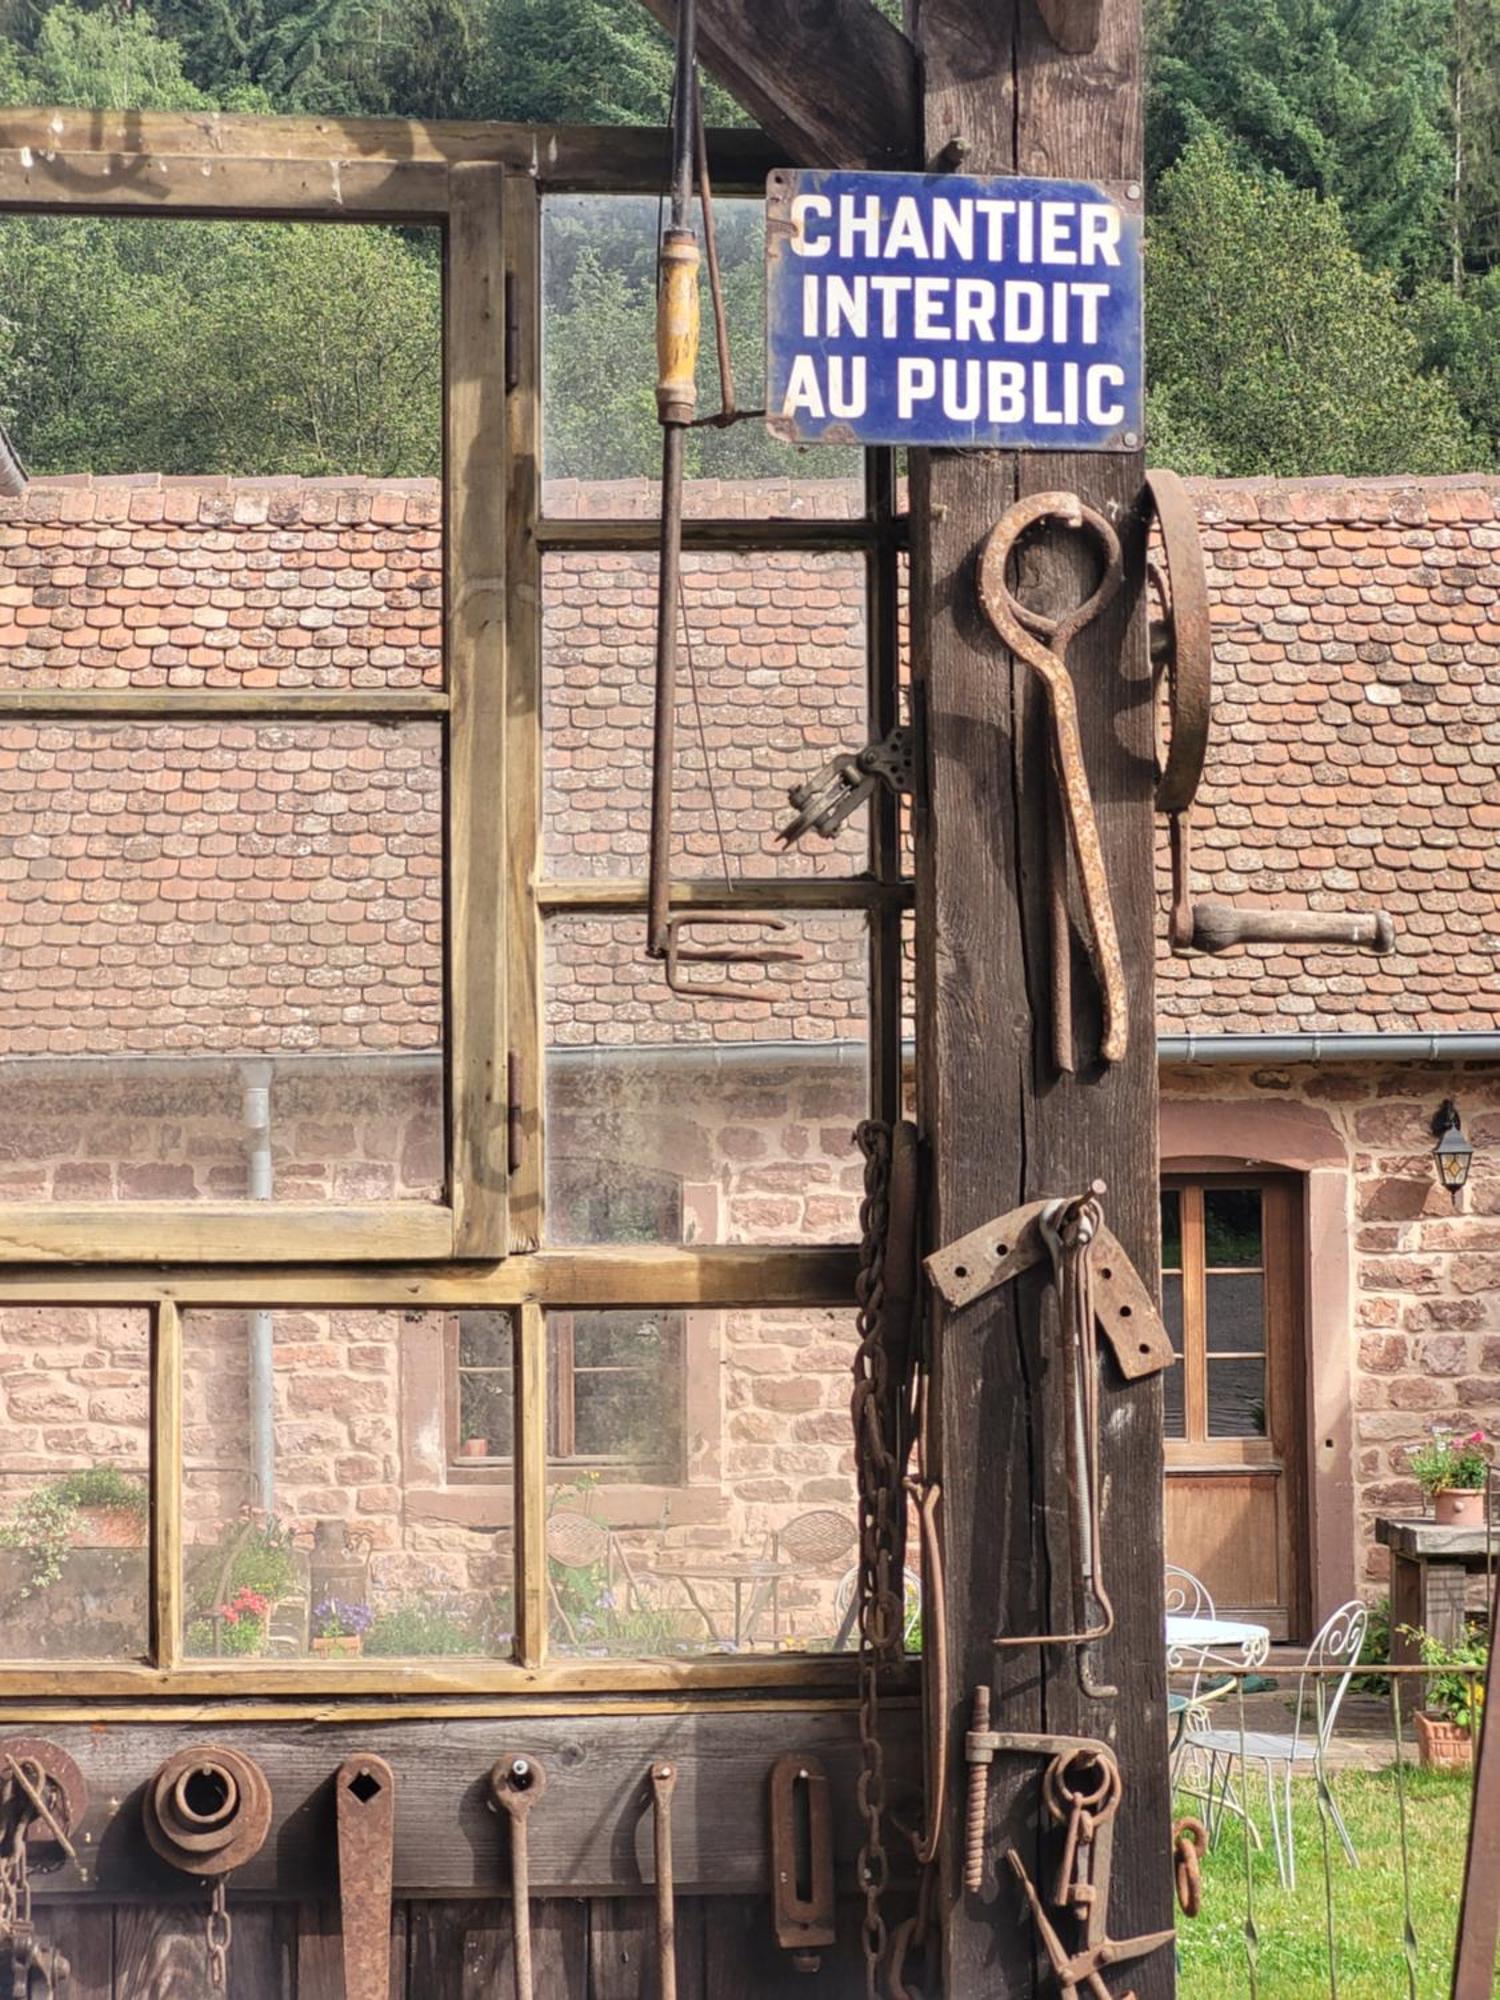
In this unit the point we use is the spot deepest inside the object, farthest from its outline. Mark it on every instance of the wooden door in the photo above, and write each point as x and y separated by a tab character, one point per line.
1235	1432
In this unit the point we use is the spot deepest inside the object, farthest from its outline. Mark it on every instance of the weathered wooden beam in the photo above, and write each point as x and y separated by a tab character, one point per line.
56	159
1000	1125
831	81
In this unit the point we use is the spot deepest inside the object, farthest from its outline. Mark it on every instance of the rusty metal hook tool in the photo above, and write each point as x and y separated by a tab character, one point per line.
516	1785
365	1816
1042	642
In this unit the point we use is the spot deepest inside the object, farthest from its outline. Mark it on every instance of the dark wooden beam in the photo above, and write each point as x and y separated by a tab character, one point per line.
831	81
1001	1127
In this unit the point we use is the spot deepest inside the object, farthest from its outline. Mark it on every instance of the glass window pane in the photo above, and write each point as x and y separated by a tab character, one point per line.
366	1542
193	914
1171	1229
720	1119
772	679
1174	1423
601	440
1171	1308
1235	1309
1237	1398
749	1543
220	377
1231	1227
74	1498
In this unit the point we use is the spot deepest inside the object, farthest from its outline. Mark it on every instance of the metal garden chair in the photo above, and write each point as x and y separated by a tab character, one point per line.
1321	1686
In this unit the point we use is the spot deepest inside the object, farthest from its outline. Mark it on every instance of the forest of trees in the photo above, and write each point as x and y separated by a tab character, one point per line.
1323	259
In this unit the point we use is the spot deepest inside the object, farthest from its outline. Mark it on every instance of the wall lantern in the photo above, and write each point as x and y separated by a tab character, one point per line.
1453	1152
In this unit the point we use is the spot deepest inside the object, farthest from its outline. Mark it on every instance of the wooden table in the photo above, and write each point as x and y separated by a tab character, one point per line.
1430	1568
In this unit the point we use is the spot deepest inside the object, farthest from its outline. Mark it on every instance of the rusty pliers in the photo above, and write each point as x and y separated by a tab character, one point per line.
1042	642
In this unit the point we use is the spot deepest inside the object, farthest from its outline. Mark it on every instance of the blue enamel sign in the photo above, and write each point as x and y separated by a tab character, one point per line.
938	309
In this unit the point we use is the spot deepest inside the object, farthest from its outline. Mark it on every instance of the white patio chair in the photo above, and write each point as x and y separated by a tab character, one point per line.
1321	1686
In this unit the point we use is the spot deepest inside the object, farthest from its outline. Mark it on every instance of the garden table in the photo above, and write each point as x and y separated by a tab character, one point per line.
1191	1640
1430	1569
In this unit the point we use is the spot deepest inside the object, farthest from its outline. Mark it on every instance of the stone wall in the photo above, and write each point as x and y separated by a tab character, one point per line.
1421	1344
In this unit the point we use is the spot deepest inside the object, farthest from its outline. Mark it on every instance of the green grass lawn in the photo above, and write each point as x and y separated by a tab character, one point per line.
1368	1903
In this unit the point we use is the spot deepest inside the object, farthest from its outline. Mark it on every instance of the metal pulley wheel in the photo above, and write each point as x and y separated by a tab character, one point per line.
208	1810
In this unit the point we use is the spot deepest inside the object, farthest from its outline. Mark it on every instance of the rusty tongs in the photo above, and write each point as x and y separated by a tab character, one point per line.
1042	642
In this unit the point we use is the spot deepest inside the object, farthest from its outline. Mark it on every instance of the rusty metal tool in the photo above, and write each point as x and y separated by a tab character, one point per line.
1189	1845
207	1810
43	1798
1042	642
1082	1971
663	1785
1085	1257
827	799
802	1889
365	1815
678	317
972	1266
1182	650
516	1785
981	1747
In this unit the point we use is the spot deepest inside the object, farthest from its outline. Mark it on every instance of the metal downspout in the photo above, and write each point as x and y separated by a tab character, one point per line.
257	1115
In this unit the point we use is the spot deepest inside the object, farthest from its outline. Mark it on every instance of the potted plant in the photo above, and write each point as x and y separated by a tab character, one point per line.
339	1629
1453	1471
475	1447
113	1508
1455	1697
242	1621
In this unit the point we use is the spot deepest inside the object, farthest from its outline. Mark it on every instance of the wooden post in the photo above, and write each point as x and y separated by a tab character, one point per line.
1000	1126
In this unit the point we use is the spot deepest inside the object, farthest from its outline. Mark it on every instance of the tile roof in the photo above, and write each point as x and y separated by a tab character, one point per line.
273	886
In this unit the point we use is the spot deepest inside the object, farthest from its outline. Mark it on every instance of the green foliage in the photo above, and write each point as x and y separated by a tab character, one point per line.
1375	1650
1271	339
1347	98
1459	331
43	1525
42	1530
216	347
419	1629
255	1556
106	1486
1457	1695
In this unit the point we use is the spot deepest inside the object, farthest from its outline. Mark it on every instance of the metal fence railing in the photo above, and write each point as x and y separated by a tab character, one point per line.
1337	1817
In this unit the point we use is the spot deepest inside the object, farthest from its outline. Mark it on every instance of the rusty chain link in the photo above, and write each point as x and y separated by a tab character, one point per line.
878	1478
220	1934
1189	1845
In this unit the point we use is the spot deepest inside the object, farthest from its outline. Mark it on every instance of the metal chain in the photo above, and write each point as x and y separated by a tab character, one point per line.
220	1934
880	1607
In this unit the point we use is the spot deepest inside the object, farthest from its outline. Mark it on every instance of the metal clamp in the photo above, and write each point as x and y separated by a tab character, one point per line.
828	798
676	954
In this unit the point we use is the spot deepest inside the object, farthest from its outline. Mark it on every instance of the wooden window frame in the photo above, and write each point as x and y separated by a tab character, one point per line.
1282	1275
482	184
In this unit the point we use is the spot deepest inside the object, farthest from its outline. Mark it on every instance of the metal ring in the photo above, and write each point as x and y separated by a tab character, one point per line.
1190	654
995	592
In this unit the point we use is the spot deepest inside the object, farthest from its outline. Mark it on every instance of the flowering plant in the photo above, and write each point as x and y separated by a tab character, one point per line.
246	1603
334	1619
1456	1463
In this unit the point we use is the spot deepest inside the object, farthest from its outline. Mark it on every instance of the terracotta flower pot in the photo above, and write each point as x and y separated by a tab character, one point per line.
1443	1745
339	1646
474	1448
1458	1507
108	1528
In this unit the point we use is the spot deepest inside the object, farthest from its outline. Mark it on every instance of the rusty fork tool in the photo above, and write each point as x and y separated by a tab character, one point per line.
678	316
516	1785
1042	642
365	1812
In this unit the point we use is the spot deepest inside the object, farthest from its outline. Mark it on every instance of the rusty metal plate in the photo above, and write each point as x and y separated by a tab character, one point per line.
802	1896
365	1812
64	1792
976	1264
